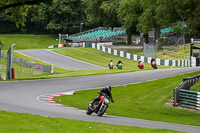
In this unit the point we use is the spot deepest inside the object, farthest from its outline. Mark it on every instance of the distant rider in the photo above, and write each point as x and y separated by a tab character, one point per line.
111	64
119	62
107	91
140	64
153	63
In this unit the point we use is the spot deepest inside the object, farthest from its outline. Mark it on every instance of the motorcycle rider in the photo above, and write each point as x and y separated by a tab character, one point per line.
153	63
111	64
107	91
119	62
140	64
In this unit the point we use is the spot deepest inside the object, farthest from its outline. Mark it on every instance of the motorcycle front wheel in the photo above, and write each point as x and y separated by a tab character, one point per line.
88	111
102	111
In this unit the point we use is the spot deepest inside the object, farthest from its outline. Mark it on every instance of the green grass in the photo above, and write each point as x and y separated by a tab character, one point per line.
26	123
143	100
179	48
21	72
196	87
27	41
99	58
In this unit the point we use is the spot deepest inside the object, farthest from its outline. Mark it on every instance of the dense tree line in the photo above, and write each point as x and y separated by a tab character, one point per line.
56	16
65	16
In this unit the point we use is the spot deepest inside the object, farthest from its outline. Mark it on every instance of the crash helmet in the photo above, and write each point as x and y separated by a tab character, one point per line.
108	88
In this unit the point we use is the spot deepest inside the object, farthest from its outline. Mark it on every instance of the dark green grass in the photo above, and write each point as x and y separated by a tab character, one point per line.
27	41
196	87
143	100
26	123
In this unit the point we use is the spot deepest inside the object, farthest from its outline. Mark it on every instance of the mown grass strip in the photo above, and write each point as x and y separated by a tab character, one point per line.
143	100
27	41
99	58
26	123
196	87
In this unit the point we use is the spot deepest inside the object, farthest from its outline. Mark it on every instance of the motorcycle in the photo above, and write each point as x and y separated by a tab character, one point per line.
154	65
98	107
140	65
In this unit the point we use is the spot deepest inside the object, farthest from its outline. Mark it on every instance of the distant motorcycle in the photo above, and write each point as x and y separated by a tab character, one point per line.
140	64
98	107
154	65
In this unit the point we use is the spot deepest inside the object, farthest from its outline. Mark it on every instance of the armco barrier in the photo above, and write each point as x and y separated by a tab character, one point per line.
184	97
190	99
183	63
40	67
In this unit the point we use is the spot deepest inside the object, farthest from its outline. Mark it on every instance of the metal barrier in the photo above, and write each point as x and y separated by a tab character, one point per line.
190	99
176	55
39	67
184	97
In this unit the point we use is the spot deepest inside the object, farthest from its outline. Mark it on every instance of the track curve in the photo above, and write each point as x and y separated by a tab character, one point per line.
59	60
21	96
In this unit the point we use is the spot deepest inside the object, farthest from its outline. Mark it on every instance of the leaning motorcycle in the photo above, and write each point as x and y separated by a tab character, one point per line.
154	65
98	107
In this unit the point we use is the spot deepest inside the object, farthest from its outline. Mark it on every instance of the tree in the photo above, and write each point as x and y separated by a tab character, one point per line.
128	13
18	8
63	16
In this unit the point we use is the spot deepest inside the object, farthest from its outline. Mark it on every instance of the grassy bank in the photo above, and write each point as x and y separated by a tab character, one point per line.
143	100
21	72
27	41
179	49
196	87
100	58
26	123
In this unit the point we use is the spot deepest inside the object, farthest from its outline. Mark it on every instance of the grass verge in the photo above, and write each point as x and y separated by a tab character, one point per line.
179	49
143	100
21	72
196	87
100	58
26	123
27	41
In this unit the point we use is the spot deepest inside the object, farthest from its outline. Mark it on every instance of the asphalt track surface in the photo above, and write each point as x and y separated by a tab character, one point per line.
22	97
59	60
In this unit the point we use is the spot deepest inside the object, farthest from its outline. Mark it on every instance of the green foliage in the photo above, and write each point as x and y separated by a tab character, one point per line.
128	12
18	9
63	16
102	12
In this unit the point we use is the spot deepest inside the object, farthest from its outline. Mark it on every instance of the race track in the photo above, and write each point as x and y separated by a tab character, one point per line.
59	60
22	96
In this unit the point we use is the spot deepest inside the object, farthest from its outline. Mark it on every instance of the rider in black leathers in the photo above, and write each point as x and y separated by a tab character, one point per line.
107	91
